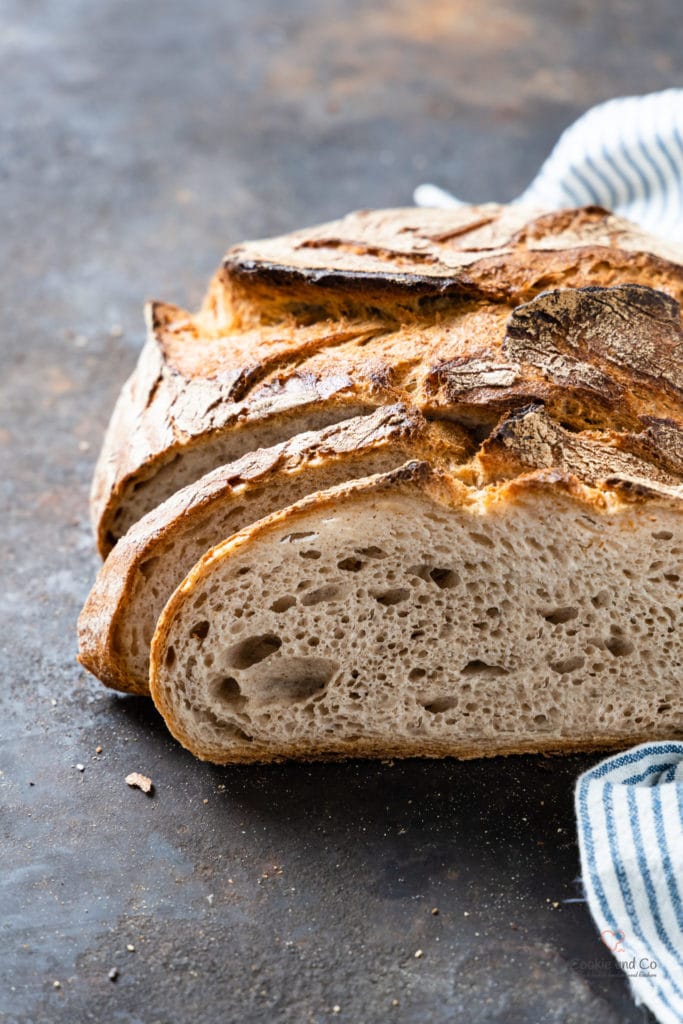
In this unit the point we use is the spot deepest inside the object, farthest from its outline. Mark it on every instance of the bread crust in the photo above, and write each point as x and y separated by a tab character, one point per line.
397	305
447	491
530	439
347	445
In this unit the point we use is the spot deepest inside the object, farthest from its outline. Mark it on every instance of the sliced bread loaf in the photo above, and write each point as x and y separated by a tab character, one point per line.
119	618
412	305
411	614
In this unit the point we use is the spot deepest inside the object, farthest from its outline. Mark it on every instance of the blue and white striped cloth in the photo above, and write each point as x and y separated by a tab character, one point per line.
629	811
626	155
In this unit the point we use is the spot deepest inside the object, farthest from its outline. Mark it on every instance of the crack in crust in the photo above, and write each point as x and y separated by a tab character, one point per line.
635	330
530	439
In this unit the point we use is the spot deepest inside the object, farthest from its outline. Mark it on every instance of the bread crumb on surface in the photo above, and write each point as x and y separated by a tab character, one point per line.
138	781
113	974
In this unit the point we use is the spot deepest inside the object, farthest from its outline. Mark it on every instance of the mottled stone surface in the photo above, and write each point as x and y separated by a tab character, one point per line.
138	140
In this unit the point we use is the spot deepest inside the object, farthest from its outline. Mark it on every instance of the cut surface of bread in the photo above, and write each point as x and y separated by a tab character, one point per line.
411	614
121	613
441	309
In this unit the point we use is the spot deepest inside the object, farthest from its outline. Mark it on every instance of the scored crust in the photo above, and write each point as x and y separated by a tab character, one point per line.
420	306
625	510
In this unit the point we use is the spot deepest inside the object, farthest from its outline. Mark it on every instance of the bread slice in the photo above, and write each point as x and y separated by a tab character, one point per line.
411	305
119	618
409	614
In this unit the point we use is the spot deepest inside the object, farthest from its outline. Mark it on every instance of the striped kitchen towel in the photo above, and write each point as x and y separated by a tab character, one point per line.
626	155
629	810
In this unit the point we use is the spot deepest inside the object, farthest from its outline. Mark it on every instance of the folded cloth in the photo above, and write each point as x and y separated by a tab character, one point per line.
625	155
629	811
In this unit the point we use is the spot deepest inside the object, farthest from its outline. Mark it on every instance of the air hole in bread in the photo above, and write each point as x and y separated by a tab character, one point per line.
372	552
663	535
392	597
170	657
147	567
566	665
445	579
200	630
481	538
437	707
227	691
290	538
560	615
233	731
481	668
619	646
331	592
350	564
293	680
252	650
311	553
601	599
283	603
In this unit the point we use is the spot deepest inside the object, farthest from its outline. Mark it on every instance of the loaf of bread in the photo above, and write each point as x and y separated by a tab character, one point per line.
410	483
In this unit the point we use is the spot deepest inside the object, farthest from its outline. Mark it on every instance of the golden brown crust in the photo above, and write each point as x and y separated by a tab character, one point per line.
408	305
426	749
414	478
349	445
487	251
530	439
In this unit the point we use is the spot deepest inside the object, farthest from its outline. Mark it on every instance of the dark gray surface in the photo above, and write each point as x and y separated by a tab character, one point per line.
137	140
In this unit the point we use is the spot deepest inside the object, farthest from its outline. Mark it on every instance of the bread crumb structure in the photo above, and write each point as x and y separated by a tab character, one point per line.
408	484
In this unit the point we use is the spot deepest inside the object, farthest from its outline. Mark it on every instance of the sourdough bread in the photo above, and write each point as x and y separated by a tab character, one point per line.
411	305
413	615
515	586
